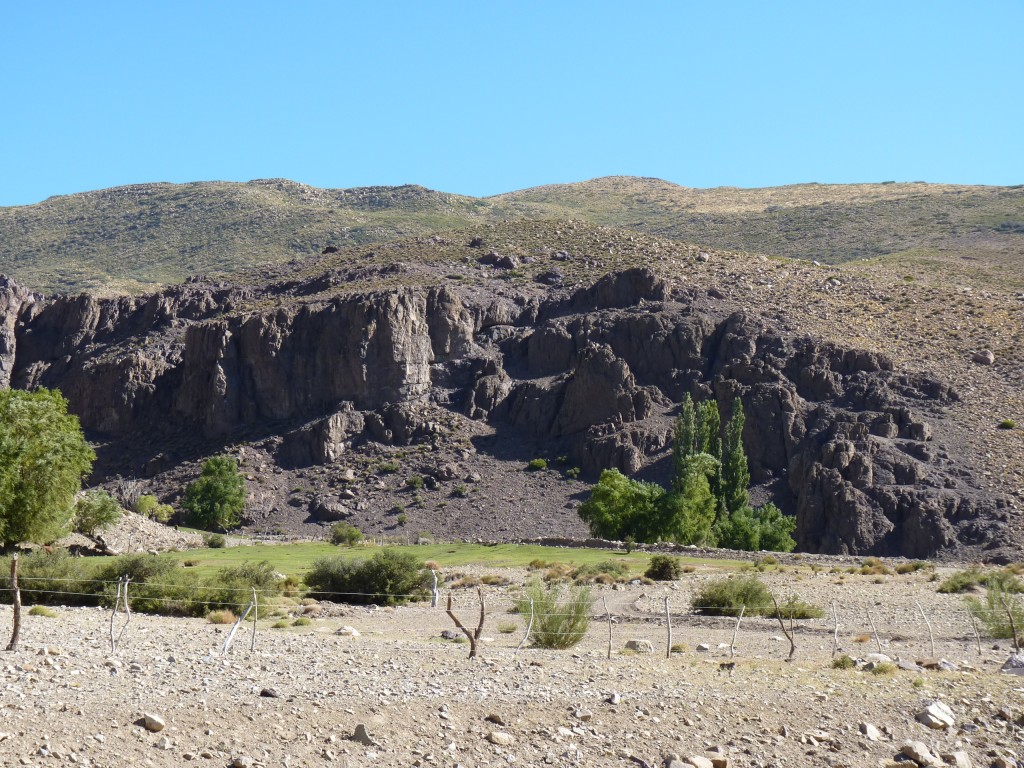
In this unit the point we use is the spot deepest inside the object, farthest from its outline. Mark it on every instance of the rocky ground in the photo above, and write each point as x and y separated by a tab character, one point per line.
298	699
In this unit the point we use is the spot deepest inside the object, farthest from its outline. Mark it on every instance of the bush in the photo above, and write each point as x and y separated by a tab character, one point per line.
536	465
302	621
872	566
574	472
1007	424
664	568
215	541
232	587
843	661
280	624
752	529
416	482
344	534
884	668
613	570
725	597
390	577
42	610
913	567
217	498
961	581
388	467
51	578
95	510
157	585
461	491
994	613
795	608
221	617
557	623
507	627
148	506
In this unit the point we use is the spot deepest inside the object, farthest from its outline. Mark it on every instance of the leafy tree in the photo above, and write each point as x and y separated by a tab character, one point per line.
619	507
682	445
735	473
95	510
390	577
751	529
217	498
43	458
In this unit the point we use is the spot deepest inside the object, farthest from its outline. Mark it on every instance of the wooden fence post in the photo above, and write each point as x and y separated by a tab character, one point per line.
528	628
608	614
732	645
931	637
668	623
16	602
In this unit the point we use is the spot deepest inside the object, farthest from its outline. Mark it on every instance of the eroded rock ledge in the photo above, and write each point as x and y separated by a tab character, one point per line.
852	447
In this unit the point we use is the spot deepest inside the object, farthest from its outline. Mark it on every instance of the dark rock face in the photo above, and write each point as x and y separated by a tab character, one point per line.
845	442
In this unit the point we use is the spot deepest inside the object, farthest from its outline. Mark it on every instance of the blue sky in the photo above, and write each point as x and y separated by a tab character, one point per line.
486	97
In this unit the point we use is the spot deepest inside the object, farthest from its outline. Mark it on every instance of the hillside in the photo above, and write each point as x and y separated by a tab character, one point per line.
133	239
459	358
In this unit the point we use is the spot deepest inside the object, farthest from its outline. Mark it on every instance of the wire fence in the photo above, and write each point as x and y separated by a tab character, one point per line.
662	617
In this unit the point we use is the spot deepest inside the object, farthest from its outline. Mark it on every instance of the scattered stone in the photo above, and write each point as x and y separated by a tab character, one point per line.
958	759
348	631
697	761
270	693
153	723
496	719
614	699
585	715
871	733
640	646
908	666
164	744
362	737
703	648
877	658
984	357
450	634
241	761
703	257
937	716
918	752
501	738
1013	665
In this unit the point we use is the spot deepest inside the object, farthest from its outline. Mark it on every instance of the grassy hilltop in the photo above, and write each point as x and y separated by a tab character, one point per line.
132	239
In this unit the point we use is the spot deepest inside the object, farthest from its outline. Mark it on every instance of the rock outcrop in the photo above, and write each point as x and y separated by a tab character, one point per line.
846	443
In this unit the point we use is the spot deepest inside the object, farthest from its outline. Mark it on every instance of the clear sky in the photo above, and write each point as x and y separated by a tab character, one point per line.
485	97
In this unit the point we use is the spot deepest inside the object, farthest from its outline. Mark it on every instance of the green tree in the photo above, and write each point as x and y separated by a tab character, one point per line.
95	510
619	507
708	440
735	473
217	498
43	458
685	431
751	530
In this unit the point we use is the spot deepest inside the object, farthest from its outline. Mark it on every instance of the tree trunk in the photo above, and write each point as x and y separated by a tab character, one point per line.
16	592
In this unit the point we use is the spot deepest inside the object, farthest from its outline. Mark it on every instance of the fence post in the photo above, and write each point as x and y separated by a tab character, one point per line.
931	637
835	629
668	623
127	610
113	615
608	614
528	628
434	595
231	634
255	620
16	592
974	626
732	645
874	631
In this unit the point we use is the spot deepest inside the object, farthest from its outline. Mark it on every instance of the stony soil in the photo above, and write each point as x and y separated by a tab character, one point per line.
66	699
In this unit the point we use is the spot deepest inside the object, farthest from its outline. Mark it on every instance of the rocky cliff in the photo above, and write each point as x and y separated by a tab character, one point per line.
838	437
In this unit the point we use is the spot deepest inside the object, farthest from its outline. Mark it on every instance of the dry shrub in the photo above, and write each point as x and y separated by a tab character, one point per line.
221	617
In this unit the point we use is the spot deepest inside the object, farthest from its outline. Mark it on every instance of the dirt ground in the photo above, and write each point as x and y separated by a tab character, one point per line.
296	700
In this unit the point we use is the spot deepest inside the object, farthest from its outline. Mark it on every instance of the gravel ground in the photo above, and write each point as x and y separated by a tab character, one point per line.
66	699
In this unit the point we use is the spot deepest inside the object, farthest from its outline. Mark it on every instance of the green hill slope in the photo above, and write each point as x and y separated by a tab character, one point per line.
134	238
